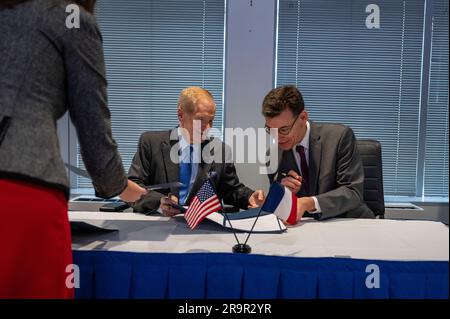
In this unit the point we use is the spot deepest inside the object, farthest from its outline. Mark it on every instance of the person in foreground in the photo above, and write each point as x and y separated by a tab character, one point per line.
319	163
185	154
45	70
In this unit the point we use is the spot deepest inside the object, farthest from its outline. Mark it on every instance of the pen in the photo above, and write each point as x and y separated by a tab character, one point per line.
285	175
176	205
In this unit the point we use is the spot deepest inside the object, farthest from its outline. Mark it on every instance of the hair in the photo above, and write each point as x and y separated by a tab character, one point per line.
278	99
88	5
190	96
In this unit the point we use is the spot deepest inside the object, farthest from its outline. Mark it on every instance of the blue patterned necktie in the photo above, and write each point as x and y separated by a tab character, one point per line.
185	175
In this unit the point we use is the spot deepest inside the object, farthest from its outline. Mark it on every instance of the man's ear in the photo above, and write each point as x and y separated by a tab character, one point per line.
304	115
180	113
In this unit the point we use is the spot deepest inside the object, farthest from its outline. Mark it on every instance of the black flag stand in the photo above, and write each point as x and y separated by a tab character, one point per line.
242	249
239	247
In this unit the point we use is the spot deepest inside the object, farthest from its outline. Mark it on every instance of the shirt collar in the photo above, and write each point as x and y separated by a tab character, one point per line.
184	143
305	141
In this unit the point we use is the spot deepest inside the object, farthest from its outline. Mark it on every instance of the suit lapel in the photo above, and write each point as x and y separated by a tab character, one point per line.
172	169
288	162
291	162
315	156
202	174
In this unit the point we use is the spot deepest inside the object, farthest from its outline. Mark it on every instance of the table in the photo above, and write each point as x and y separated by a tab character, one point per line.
158	257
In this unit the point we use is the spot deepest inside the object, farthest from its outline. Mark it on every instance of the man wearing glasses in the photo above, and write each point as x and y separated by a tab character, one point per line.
320	163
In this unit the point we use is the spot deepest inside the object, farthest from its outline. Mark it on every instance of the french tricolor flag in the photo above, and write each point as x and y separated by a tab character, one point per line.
281	202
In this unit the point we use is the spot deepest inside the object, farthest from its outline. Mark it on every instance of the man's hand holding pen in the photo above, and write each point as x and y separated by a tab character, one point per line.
292	180
169	206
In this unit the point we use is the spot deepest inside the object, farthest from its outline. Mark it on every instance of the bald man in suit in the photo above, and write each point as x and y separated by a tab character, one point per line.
179	155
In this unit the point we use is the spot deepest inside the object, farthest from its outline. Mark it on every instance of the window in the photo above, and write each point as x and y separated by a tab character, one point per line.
154	49
370	80
436	149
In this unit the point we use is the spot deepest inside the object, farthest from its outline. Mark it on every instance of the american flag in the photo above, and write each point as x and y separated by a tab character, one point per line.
204	203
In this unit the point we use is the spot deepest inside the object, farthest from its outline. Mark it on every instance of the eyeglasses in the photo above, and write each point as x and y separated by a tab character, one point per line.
284	130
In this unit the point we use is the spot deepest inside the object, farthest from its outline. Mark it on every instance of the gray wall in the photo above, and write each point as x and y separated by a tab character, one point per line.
249	74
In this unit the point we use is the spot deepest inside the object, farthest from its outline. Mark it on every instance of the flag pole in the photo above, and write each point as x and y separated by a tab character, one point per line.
225	214
244	247
256	219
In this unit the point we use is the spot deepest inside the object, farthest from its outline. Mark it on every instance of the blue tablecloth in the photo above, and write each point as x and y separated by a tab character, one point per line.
106	274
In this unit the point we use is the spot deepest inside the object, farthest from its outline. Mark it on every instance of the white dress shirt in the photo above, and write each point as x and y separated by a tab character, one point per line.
184	157
305	143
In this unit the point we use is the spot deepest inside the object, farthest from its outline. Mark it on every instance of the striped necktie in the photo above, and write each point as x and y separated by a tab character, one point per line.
304	168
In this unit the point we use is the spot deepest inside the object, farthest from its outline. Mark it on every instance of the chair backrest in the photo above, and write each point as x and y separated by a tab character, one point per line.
370	152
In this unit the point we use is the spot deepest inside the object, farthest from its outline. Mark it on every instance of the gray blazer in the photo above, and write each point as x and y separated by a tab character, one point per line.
152	165
45	70
335	171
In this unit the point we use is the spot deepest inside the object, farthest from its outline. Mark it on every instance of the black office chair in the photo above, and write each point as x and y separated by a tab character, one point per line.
370	152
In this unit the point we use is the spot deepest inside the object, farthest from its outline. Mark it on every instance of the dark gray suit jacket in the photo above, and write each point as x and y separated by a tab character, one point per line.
45	70
335	171
152	165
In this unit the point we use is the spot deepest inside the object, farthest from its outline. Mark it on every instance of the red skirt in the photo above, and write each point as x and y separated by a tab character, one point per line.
35	242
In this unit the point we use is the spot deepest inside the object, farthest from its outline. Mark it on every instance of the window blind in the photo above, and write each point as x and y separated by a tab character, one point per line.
436	149
368	79
153	49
